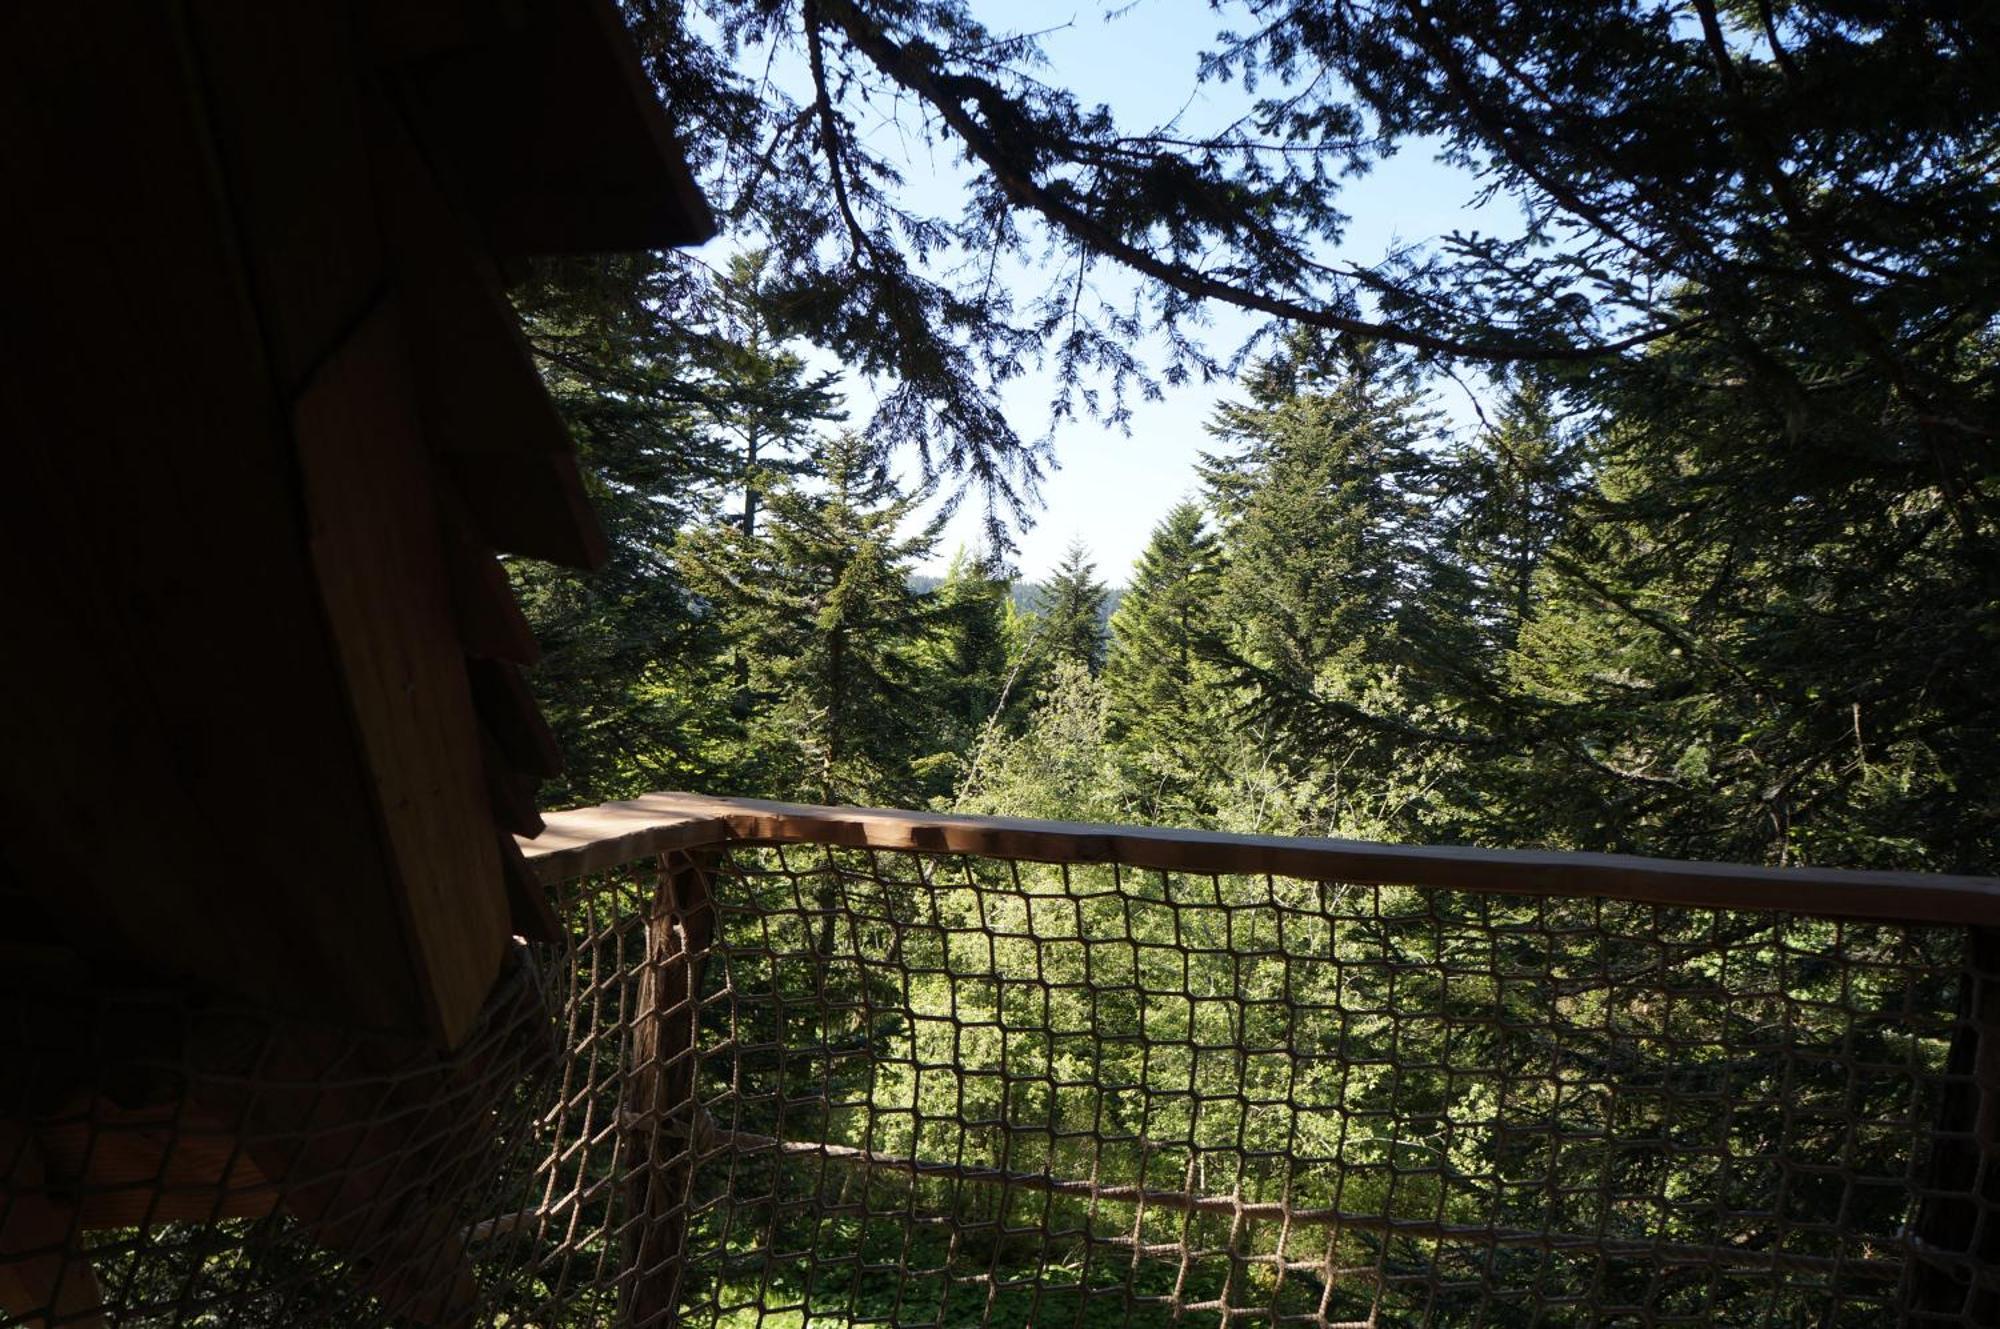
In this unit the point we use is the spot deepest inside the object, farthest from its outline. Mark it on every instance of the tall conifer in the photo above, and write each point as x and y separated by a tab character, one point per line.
1071	611
820	604
1164	689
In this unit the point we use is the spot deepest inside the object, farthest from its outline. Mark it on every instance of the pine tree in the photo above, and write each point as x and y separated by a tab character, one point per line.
1352	660
1164	688
819	603
630	675
1720	667
967	662
761	395
1070	612
1512	487
1679	175
1320	529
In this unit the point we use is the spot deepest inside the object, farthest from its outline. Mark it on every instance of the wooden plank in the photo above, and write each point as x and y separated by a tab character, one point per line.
46	1280
161	1163
510	793
480	390
394	32
554	137
585	840
284	106
490	621
184	795
528	903
532	504
33	955
508	708
594	837
495	431
377	553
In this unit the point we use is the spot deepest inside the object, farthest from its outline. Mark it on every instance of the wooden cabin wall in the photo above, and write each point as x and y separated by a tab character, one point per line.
183	783
269	421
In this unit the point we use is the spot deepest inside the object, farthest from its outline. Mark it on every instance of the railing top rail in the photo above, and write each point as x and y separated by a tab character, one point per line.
595	839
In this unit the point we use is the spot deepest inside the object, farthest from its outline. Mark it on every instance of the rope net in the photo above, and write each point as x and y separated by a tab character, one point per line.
808	1085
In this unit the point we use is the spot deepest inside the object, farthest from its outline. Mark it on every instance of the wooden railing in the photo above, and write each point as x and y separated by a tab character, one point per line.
586	840
987	1068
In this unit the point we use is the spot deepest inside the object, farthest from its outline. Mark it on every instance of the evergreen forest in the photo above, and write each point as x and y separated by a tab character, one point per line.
1712	571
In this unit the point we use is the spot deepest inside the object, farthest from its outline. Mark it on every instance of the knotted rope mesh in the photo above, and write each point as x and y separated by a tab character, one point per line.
808	1085
170	1161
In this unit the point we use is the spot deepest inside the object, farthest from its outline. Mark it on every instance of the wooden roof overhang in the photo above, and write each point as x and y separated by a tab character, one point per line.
268	418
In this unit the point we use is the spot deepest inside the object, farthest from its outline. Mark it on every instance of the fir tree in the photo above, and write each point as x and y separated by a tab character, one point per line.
630	675
1511	487
967	661
1322	555
1163	687
1070	612
1741	653
1352	662
820	604
760	394
1681	176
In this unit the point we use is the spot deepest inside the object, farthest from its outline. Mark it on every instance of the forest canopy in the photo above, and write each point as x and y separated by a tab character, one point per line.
1798	189
1713	575
1710	572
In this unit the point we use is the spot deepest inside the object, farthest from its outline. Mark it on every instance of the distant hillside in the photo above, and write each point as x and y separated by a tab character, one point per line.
1025	594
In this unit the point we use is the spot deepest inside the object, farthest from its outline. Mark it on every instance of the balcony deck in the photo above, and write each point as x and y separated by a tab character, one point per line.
789	1065
917	1069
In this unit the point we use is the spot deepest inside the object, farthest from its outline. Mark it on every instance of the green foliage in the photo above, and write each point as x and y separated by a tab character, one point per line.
1785	193
628	674
1060	766
1591	1068
1719	579
757	390
819	603
1167	703
1070	613
1508	491
1344	628
1322	533
971	661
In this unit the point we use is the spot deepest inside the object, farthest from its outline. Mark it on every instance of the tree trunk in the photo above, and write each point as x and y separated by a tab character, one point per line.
661	1112
1957	1231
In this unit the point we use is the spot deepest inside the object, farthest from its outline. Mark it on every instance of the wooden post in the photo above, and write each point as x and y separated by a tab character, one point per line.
661	1141
1960	1217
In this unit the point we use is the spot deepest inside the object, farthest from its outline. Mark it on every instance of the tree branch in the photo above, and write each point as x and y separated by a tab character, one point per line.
1019	185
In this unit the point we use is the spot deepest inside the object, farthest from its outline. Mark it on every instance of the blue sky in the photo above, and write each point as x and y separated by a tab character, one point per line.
1112	487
